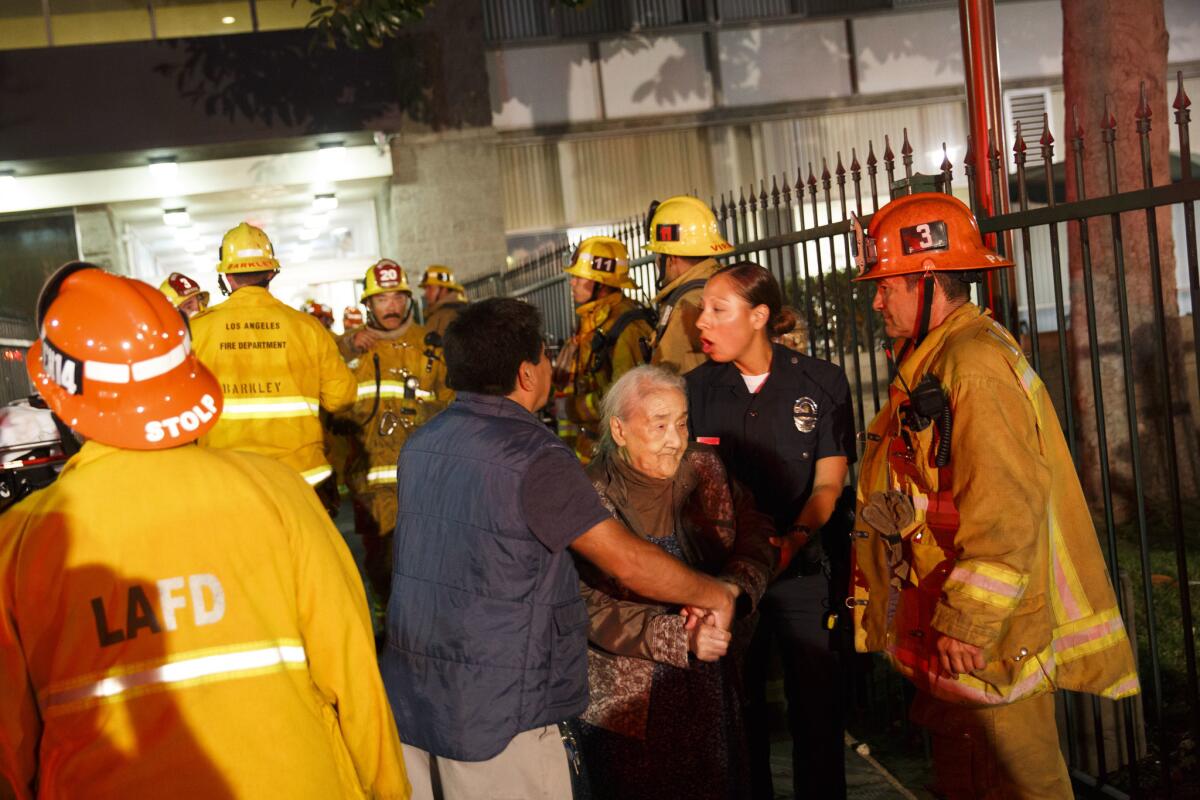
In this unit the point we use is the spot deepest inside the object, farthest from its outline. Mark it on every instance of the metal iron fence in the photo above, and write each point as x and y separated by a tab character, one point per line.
1128	400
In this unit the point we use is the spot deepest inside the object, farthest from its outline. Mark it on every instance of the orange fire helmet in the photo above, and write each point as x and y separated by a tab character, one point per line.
353	317
114	361
920	233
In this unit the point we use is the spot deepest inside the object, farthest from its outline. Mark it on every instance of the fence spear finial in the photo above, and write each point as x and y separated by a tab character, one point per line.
1109	121
1077	133
1047	140
871	160
946	164
888	155
1182	101
1019	146
855	167
905	147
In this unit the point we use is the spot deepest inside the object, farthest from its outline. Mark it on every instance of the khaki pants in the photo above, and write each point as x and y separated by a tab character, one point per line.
1007	752
533	767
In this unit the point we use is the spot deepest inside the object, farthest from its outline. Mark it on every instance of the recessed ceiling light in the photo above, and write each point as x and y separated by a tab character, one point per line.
176	217
325	202
166	167
228	20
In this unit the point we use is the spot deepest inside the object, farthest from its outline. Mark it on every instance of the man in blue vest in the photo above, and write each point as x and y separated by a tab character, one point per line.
486	631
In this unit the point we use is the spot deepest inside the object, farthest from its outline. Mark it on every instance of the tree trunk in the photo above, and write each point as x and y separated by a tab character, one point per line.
1109	48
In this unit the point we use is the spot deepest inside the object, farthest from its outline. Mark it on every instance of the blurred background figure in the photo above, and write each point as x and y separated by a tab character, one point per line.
444	297
352	318
184	293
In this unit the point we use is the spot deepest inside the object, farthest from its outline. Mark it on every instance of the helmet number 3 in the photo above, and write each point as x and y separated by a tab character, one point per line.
924	237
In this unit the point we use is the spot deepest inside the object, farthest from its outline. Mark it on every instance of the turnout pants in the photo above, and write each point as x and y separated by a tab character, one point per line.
375	521
1006	752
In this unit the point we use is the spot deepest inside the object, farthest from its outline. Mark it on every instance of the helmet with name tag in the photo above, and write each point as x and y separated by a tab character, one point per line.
602	259
384	276
179	288
114	361
246	249
684	226
920	233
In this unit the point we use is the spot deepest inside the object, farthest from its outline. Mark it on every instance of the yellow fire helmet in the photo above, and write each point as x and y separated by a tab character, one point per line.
384	276
439	275
602	259
246	249
685	226
179	287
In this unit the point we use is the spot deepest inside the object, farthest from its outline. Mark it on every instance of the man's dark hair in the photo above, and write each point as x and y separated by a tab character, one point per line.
260	278
486	343
956	285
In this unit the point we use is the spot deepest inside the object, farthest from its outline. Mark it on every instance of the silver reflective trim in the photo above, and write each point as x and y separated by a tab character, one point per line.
180	671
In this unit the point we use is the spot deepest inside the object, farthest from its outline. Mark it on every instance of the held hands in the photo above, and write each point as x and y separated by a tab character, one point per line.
721	616
956	657
364	339
706	641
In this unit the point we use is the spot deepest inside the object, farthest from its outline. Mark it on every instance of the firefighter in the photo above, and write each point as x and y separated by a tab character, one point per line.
607	343
444	298
683	232
401	384
352	318
184	293
322	313
976	564
141	657
278	367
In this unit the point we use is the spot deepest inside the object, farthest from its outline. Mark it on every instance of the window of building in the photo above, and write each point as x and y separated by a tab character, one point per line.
178	18
22	24
97	21
275	15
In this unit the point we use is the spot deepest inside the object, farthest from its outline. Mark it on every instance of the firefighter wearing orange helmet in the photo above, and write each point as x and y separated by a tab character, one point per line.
352	318
139	656
278	367
977	569
401	381
184	293
322	312
684	234
607	342
444	297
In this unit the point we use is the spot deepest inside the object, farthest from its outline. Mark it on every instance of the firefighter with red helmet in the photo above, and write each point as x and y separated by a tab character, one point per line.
684	234
401	384
607	343
976	564
142	657
278	367
322	312
444	297
352	318
184	293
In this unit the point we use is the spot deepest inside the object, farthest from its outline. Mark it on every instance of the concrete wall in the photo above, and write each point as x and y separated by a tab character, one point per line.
445	203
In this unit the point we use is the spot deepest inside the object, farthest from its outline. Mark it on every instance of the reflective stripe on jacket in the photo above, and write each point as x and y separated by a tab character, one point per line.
186	623
278	368
1001	551
412	388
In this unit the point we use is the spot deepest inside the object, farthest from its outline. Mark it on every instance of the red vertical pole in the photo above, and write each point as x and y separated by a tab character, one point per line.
985	117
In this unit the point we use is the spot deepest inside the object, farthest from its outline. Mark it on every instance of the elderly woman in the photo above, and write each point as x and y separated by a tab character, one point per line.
664	717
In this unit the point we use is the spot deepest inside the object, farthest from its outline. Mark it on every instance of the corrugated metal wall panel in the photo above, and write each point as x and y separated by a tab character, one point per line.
611	178
532	187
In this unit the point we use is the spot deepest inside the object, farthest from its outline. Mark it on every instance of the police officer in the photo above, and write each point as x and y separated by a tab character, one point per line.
401	380
278	367
607	343
683	232
976	564
144	657
783	424
184	293
444	298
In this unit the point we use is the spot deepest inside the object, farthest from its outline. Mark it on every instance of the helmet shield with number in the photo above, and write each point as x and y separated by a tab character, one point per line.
919	233
114	361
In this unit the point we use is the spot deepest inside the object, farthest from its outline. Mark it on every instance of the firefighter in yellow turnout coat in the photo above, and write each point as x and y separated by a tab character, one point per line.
278	367
141	656
401	384
977	567
607	343
684	233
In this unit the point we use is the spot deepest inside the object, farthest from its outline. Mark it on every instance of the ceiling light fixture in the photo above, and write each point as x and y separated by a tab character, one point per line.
325	202
7	178
176	217
166	167
228	20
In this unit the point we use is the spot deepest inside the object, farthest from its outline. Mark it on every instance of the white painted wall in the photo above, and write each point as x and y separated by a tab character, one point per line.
647	76
1029	36
918	50
1183	27
784	62
535	86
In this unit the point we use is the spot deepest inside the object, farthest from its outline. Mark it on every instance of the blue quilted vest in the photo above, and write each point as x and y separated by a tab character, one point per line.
487	632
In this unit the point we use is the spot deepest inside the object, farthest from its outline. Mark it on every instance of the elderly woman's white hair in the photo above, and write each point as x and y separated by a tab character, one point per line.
631	388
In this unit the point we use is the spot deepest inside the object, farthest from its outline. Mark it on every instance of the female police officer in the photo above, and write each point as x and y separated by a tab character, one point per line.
783	425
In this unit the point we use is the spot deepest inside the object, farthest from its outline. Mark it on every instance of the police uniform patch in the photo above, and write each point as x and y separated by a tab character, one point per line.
804	414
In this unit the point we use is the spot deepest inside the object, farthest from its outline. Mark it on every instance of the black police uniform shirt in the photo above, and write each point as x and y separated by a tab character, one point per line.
771	440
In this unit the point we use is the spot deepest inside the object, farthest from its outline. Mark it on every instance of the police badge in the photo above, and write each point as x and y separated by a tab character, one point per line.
804	414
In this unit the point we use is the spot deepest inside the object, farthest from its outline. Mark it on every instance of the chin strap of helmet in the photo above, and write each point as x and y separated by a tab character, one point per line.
660	267
921	326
